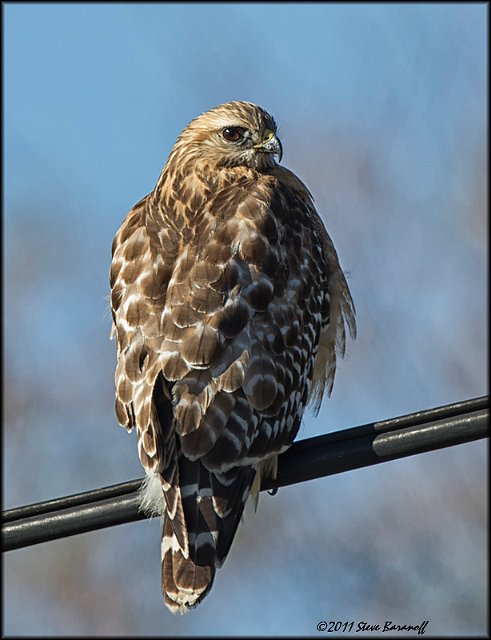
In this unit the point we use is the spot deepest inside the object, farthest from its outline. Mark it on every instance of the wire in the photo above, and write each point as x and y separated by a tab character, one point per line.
308	459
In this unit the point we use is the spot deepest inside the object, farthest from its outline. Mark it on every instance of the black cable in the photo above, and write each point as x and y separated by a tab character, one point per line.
57	504
325	455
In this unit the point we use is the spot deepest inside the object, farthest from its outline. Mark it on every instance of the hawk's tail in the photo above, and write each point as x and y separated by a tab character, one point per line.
184	583
202	515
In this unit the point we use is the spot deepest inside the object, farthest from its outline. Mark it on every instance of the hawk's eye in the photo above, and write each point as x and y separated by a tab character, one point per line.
232	134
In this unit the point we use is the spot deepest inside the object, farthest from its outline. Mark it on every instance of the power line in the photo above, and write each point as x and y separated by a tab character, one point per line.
308	459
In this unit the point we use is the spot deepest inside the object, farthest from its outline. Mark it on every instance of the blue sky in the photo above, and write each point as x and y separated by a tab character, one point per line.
382	112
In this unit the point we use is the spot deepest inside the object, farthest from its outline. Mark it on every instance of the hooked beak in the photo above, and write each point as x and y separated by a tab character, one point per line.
270	144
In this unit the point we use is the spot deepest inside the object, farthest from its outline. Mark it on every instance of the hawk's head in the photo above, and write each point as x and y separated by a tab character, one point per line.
232	134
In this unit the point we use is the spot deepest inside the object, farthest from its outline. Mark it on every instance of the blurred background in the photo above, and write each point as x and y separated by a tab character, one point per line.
382	112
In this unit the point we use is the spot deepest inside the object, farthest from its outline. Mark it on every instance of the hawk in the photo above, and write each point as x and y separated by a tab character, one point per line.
229	307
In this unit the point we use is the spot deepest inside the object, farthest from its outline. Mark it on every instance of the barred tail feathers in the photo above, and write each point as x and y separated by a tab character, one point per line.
184	583
202	513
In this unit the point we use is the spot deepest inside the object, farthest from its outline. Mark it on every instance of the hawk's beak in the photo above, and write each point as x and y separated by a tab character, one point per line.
270	144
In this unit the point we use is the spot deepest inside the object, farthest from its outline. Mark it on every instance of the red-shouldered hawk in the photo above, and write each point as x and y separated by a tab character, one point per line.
229	306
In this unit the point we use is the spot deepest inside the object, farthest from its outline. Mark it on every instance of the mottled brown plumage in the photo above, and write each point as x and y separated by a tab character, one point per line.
229	306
